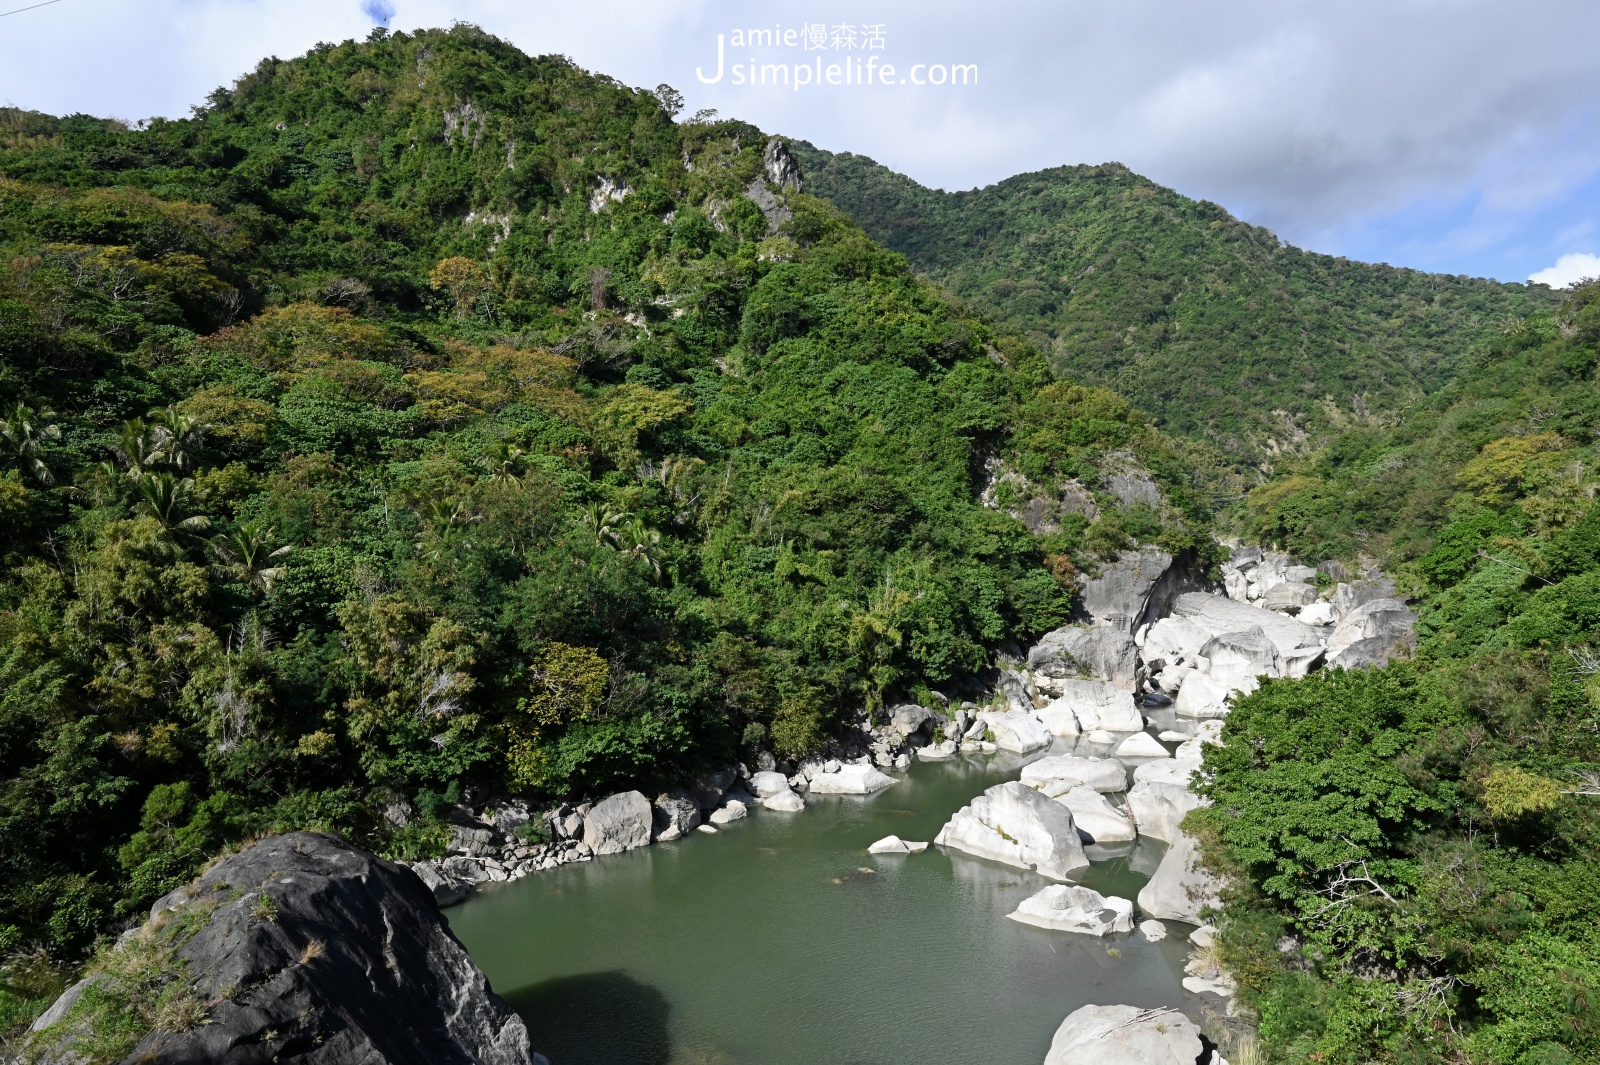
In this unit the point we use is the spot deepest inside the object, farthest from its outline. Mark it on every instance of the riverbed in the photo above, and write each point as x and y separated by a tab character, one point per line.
780	941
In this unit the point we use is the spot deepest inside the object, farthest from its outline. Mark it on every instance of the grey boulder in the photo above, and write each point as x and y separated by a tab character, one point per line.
1289	596
1120	597
1101	653
677	813
354	964
1086	705
617	823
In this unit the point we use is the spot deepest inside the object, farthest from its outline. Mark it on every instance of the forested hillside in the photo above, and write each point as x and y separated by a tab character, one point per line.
421	419
1213	325
1416	849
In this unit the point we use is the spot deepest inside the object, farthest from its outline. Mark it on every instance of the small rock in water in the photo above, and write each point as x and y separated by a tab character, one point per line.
1173	736
889	845
1124	1035
1070	908
709	830
1152	930
1141	745
1099	736
730	811
786	802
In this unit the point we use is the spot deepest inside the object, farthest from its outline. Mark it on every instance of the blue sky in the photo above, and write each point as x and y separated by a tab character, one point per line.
1454	135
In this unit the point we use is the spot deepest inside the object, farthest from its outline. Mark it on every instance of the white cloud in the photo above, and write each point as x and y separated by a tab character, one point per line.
1568	268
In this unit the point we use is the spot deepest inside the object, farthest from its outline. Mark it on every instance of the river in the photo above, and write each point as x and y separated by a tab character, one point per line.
780	941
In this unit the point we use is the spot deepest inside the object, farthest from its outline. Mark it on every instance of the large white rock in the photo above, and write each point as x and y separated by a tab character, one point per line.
1099	653
1059	717
1120	596
1158	808
1237	659
1141	745
1180	888
731	810
1289	596
850	779
1318	613
1173	639
1016	731
1173	771
1094	704
1094	814
1102	774
618	823
1013	824
1070	908
1125	1035
1215	615
1202	697
1387	619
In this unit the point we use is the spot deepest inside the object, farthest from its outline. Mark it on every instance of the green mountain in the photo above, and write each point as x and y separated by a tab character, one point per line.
421	419
1216	327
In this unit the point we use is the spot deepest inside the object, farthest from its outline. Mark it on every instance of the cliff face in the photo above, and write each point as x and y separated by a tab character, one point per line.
301	948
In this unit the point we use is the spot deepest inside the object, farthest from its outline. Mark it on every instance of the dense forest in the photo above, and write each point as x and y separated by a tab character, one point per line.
1220	330
425	421
1416	850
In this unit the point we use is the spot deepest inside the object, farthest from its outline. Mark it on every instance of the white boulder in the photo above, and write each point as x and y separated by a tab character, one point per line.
1093	704
1102	774
1180	888
1172	771
1152	930
1070	908
1318	613
1094	815
1125	1035
1215	615
769	783
889	845
1237	659
1201	697
785	802
1174	639
1159	807
1141	745
731	810
1013	824
1016	731
850	779
1100	653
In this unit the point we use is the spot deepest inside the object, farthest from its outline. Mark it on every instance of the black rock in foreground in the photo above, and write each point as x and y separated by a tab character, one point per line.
301	948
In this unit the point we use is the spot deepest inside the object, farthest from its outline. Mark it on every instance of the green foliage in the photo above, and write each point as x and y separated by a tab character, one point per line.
1214	326
360	443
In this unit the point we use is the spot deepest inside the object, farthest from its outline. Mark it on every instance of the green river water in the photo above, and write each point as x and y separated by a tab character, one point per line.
780	941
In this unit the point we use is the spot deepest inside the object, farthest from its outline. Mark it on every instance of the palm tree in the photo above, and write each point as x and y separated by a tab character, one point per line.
177	436
166	498
139	447
23	434
504	463
603	521
247	554
640	544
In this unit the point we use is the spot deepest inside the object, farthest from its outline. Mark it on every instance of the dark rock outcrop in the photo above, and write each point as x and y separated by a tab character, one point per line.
310	950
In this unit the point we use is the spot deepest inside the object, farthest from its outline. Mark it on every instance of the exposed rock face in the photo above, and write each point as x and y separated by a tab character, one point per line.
1013	824
1068	908
1097	654
618	823
780	167
1125	1035
385	984
1121	596
1180	888
1065	771
1159	807
1346	597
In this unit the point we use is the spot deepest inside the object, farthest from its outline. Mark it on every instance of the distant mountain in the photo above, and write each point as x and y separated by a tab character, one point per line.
1213	325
